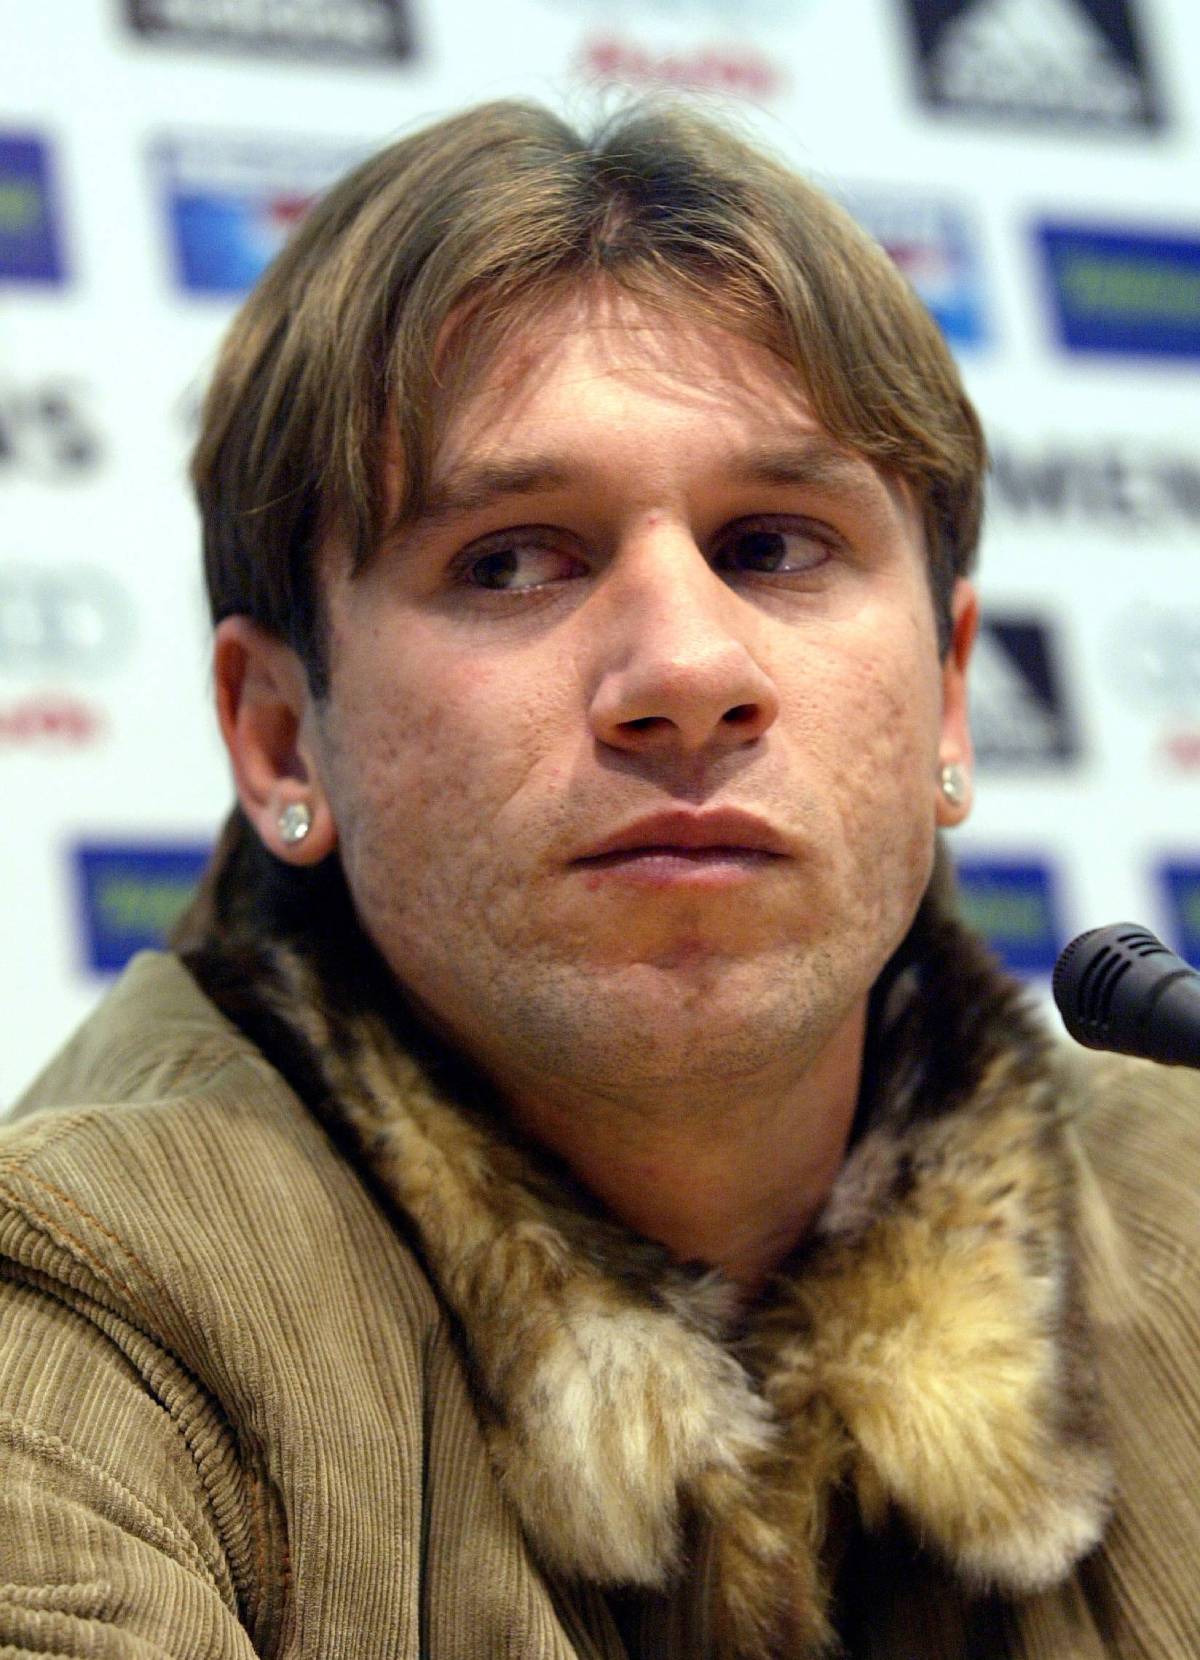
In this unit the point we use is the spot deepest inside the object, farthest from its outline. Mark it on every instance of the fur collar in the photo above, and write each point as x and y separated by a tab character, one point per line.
922	1353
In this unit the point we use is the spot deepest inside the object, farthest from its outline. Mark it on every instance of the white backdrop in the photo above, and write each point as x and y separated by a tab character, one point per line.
153	153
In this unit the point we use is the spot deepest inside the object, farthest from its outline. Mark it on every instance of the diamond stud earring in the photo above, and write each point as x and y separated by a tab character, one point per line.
953	780
295	821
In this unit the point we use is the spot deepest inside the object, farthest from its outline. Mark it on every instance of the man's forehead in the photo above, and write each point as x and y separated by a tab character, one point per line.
496	438
599	329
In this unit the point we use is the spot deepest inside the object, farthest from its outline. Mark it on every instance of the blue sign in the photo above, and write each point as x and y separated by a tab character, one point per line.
231	204
131	896
1122	292
30	242
1181	882
1015	906
935	243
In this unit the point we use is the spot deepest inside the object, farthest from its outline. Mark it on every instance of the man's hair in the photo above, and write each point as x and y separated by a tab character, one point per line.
404	280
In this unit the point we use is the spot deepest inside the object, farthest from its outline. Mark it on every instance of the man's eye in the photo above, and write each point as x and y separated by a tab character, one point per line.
520	565
781	548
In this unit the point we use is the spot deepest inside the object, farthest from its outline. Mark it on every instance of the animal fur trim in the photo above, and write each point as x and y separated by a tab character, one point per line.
923	1351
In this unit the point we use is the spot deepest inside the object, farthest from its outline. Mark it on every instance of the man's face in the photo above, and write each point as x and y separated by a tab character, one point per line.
652	592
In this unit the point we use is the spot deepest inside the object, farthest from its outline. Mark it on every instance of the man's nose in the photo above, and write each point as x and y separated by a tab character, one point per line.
678	672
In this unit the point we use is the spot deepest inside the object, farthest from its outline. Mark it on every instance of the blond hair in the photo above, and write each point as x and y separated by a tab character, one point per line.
351	336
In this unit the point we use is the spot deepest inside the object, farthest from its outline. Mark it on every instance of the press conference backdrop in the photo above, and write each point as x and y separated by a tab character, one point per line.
1031	165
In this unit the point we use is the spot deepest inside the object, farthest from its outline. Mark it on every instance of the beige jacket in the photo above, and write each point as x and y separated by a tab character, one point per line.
379	1389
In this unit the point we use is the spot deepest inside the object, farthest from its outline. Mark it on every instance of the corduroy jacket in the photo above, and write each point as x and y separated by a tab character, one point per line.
288	1379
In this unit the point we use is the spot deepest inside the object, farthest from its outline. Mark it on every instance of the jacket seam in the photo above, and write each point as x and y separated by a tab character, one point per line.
253	1516
22	1434
52	1227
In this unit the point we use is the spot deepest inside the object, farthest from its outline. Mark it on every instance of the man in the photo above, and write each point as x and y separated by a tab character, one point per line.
578	1190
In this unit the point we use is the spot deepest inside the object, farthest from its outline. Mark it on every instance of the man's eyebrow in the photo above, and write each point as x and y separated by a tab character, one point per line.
811	465
474	485
815	464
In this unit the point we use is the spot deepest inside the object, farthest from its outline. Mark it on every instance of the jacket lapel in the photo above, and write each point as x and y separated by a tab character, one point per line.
923	1355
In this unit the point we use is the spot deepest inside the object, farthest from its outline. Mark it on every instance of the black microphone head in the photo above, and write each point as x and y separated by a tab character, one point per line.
1109	985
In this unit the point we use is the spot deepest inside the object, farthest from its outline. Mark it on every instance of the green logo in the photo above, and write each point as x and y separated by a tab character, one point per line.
20	208
151	905
1153	288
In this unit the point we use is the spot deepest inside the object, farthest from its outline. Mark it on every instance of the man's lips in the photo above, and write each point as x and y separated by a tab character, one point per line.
698	836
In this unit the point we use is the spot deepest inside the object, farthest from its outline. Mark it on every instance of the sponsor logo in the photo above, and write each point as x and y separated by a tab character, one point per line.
46	431
354	30
1117	291
1180	881
230	204
30	244
62	619
1159	651
50	720
730	69
1156	656
131	895
784	12
1123	486
1014	905
936	246
1068	62
1182	750
1019	712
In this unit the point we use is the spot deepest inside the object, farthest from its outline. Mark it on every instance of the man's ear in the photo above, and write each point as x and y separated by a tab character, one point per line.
954	747
265	711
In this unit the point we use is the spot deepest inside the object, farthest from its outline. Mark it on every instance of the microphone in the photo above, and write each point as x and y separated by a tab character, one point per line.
1120	988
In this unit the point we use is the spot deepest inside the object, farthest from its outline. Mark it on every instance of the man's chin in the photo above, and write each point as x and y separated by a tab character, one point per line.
681	924
689	1014
695	1010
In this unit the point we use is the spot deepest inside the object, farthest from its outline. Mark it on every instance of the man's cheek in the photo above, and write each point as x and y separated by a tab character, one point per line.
889	820
409	753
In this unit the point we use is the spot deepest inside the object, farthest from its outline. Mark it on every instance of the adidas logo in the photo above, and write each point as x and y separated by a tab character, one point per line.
1011	723
1042	57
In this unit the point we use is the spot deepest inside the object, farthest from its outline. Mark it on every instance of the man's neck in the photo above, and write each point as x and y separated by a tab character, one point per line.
736	1185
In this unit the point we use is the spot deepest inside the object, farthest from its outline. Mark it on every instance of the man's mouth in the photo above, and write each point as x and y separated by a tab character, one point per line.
716	845
717	854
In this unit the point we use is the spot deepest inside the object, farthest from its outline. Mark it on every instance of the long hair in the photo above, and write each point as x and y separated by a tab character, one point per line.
405	278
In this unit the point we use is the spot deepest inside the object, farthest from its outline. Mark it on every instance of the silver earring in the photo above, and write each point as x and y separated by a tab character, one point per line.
953	780
295	822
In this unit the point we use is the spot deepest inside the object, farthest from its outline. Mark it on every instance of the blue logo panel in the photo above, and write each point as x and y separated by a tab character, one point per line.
231	204
131	896
30	241
223	245
936	246
1121	293
1015	906
1181	883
